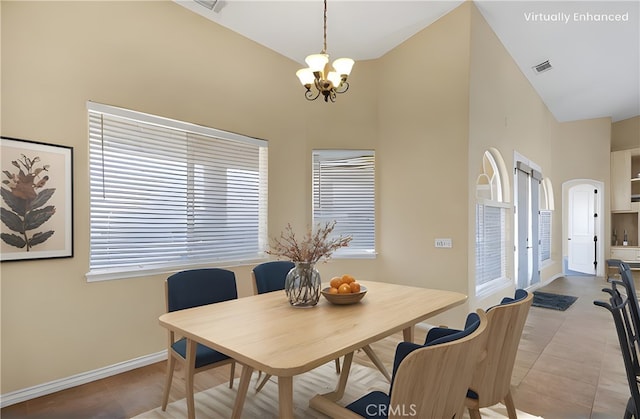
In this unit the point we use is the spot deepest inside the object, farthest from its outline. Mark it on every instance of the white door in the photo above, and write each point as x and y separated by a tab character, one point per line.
527	222
582	218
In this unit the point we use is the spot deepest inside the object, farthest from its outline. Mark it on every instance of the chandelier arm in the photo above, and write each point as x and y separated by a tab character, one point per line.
340	88
309	95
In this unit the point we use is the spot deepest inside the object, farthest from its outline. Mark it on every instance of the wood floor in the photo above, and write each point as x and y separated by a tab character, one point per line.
568	366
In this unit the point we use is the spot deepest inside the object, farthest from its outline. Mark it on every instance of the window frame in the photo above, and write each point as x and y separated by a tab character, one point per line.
197	133
368	250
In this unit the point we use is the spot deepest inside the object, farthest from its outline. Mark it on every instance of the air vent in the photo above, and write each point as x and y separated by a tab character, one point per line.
209	4
542	67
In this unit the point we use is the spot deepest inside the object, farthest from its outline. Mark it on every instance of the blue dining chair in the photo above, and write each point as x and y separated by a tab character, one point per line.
193	288
270	276
428	381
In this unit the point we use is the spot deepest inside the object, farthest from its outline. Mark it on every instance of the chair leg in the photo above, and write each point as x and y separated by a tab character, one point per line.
630	410
511	407
263	382
474	413
171	363
233	374
337	365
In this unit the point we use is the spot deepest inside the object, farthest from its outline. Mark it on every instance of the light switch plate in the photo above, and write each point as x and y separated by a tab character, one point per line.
444	243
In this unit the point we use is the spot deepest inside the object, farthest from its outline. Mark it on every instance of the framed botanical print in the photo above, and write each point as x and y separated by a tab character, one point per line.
37	200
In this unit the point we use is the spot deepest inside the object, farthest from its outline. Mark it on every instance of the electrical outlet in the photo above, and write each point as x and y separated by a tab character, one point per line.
443	243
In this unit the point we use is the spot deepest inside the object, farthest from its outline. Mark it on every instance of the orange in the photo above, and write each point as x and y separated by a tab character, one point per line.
335	282
347	279
333	290
355	287
344	289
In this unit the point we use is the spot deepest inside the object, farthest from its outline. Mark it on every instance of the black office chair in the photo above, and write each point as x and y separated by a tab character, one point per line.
195	288
626	277
619	306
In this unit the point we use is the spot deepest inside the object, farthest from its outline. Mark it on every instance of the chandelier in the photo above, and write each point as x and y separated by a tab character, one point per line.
320	75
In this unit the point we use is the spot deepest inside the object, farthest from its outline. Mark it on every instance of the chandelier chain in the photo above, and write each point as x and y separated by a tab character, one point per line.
324	46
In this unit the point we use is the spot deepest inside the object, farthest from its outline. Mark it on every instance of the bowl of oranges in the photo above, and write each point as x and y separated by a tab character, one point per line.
344	290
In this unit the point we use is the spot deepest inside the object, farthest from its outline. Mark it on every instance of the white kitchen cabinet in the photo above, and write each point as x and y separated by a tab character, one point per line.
620	180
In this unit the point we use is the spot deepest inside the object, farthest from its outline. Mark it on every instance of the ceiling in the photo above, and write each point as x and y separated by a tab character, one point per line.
595	64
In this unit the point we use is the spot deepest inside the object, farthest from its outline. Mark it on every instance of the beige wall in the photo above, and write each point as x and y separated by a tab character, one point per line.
625	134
593	137
423	114
437	103
506	113
155	57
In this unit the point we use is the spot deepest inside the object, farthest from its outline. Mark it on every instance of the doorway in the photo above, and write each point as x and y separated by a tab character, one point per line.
527	216
583	225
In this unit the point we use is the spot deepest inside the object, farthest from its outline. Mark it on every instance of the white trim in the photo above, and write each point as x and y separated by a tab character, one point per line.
128	272
172	123
493	287
75	380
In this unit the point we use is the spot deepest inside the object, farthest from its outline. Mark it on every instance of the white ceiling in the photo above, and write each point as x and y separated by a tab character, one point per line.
596	64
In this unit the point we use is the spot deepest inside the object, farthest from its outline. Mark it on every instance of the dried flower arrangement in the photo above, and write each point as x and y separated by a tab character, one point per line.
314	246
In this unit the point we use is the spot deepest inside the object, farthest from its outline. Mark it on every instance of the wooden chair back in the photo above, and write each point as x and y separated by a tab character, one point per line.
492	378
431	382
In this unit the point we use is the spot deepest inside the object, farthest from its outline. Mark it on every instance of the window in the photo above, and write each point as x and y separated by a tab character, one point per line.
490	243
492	196
546	212
167	194
545	235
344	191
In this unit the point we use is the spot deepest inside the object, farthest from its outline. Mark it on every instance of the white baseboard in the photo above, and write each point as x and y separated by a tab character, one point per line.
75	380
545	283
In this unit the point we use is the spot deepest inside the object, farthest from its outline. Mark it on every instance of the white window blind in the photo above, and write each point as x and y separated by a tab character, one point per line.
490	243
167	194
545	235
344	191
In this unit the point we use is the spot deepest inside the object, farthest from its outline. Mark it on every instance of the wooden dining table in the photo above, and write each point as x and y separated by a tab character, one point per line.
265	333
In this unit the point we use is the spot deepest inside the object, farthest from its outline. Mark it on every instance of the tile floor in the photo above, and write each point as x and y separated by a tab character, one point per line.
568	366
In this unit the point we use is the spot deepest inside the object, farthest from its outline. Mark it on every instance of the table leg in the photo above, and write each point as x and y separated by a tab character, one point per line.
407	334
243	387
285	397
376	361
188	375
326	402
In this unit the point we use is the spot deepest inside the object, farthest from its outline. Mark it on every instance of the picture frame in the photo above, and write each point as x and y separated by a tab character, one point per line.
37	200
